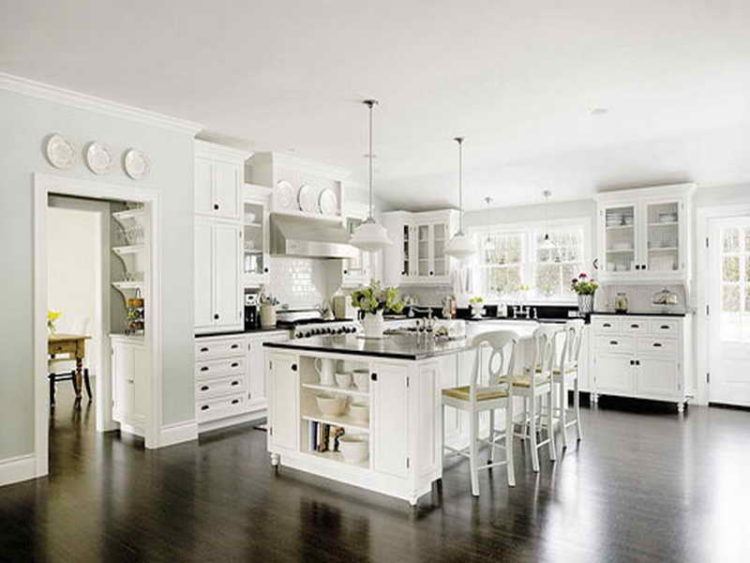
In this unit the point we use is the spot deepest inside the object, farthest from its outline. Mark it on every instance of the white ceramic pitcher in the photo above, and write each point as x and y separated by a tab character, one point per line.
326	369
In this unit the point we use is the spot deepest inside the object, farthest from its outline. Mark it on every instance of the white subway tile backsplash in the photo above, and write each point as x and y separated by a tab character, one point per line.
298	282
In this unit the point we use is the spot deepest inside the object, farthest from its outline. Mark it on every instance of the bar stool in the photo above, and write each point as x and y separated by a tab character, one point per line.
565	374
490	395
535	384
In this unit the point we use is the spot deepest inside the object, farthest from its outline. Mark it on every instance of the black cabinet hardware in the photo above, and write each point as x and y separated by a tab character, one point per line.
216	206
657	344
235	401
374	376
204	368
637	266
613	342
234	364
607	325
665	327
265	270
204	349
635	326
216	316
204	388
294	367
235	383
204	408
235	346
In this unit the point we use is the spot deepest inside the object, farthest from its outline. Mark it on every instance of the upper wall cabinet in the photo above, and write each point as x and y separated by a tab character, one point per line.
218	180
643	234
417	255
256	239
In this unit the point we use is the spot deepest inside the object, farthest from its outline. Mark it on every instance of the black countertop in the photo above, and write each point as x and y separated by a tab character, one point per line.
396	346
238	332
634	314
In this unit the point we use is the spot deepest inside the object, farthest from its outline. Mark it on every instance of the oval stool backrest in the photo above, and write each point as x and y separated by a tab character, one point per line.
571	351
502	345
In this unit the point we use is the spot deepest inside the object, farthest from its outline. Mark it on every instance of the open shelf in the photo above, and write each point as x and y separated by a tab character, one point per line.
664	249
662	224
122	285
351	391
254	225
128	214
346	422
622	251
128	249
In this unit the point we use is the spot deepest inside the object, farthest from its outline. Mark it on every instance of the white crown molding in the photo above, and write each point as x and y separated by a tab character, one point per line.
209	149
78	100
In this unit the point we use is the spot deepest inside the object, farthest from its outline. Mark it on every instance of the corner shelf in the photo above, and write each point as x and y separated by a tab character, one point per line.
128	214
124	285
128	249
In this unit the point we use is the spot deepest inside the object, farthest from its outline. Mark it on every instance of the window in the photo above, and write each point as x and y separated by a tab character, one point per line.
518	264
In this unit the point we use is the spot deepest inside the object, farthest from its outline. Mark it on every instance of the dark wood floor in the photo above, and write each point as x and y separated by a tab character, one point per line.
644	485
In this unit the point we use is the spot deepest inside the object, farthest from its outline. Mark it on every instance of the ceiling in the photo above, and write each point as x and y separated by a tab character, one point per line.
519	79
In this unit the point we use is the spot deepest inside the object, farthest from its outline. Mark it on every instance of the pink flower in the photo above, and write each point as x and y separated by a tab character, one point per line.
582	275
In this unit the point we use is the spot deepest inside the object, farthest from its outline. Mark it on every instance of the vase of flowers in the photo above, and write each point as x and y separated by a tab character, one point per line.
373	300
52	317
477	306
585	287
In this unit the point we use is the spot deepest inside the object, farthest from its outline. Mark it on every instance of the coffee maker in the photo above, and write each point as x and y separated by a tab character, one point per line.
252	311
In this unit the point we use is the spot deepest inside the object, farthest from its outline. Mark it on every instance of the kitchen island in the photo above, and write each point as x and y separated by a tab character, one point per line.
401	398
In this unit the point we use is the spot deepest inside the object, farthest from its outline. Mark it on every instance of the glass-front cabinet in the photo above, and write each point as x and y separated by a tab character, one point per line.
255	239
643	234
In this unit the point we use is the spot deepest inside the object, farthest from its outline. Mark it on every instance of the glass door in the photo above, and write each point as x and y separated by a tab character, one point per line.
406	251
254	235
663	237
439	240
423	250
619	239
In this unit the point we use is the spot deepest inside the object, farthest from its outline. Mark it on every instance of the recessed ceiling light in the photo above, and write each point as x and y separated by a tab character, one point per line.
599	111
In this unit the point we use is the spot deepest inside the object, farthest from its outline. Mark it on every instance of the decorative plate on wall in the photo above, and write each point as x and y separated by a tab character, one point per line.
328	202
98	157
306	199
136	164
285	194
60	152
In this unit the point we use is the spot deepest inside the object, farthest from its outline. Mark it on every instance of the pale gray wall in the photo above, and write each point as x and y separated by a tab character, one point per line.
25	122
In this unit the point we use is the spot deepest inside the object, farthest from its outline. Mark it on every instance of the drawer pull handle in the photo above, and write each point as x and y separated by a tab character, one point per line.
374	376
664	327
204	368
204	407
204	388
235	401
657	344
204	349
235	364
635	326
235	383
613	342
607	325
235	346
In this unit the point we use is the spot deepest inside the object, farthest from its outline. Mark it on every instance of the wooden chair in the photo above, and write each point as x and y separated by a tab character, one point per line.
565	374
64	369
489	395
535	385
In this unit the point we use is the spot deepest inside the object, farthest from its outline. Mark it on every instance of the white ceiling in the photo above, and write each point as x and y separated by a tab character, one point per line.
517	78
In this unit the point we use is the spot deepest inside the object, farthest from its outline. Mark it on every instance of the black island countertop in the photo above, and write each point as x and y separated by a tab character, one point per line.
410	347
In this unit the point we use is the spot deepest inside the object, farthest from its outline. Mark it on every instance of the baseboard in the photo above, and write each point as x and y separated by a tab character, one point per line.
232	421
172	434
19	468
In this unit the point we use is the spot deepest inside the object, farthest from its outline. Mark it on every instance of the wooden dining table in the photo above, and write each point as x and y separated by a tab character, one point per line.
74	347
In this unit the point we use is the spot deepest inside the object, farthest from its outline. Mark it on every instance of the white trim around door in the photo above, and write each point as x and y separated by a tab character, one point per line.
44	185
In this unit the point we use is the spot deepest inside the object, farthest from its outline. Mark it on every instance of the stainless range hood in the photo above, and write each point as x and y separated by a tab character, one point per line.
309	238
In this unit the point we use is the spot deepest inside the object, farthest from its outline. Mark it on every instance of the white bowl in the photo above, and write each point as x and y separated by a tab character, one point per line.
354	448
362	379
343	379
359	412
331	406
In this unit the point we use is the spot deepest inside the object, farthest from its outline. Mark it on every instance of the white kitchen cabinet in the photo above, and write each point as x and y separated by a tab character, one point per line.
256	235
218	290
256	367
284	402
418	253
218	179
131	369
643	234
640	356
390	417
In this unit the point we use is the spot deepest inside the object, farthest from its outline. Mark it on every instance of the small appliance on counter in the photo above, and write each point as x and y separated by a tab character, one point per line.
252	307
668	301
621	303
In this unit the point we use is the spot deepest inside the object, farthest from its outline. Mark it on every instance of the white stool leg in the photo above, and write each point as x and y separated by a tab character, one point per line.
525	419
563	411
577	408
509	443
532	436
551	423
473	453
442	430
492	435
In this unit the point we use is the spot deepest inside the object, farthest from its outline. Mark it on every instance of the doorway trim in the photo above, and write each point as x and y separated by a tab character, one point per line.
703	217
44	185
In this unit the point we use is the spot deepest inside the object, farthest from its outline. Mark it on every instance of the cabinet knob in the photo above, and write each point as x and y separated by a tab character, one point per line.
346	271
643	266
265	270
637	266
216	316
294	367
432	273
374	376
216	206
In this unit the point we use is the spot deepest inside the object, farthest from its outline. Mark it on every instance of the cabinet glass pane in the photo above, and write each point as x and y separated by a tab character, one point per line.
423	250
353	265
619	238
405	254
663	236
253	237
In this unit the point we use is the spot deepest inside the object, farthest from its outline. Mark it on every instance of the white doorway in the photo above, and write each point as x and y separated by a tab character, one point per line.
728	301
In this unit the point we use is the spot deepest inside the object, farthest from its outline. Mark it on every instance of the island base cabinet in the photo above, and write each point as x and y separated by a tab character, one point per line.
283	403
390	417
131	366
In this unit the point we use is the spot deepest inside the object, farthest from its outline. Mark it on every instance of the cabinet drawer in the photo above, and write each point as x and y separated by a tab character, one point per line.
605	325
220	368
219	387
219	408
207	348
615	343
634	326
666	327
656	345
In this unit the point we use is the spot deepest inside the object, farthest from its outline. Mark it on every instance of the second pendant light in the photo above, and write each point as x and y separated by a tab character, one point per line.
460	246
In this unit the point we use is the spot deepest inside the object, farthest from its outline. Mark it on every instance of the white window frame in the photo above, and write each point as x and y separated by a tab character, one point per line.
529	250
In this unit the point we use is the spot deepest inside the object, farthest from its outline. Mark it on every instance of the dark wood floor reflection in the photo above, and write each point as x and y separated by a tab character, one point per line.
644	485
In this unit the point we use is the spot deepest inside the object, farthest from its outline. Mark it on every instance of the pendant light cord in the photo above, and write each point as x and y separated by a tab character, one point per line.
370	104
460	141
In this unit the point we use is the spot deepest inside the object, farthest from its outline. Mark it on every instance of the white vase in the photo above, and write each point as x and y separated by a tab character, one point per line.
373	325
585	304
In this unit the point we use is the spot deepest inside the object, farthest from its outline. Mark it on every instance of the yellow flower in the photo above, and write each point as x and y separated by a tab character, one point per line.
52	316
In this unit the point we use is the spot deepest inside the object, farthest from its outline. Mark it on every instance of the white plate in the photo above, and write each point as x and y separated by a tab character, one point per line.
60	152
328	202
284	194
306	199
98	157
136	164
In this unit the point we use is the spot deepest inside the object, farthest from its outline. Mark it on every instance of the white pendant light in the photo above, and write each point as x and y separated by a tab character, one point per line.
370	236
460	246
546	243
